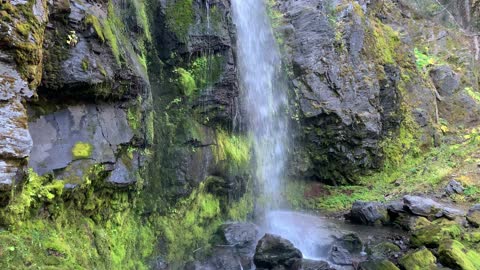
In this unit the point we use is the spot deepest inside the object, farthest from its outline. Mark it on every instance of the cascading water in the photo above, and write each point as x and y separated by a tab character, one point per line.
264	99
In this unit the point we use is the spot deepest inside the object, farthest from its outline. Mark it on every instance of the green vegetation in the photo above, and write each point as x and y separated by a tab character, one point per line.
110	31
93	21
179	17
454	254
190	225
421	171
82	150
424	60
23	29
473	94
85	64
418	260
385	41
201	73
232	149
187	82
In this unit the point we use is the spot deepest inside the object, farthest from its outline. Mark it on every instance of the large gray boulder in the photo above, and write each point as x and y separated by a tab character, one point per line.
274	252
445	80
368	213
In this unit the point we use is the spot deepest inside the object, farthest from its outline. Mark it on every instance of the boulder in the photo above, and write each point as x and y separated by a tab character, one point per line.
429	208
433	234
383	250
421	259
350	242
241	235
224	258
421	206
368	213
445	80
274	252
454	187
377	265
473	215
455	255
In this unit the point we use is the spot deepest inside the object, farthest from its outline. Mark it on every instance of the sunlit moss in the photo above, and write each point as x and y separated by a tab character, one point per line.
187	82
234	149
91	20
82	150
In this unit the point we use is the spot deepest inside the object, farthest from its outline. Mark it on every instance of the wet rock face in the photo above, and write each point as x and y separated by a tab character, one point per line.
218	103
274	252
347	105
95	131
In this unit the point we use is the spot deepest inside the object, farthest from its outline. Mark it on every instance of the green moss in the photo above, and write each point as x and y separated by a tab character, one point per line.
455	255
36	191
82	150
23	29
433	234
92	21
385	42
190	225
142	18
397	148
475	95
421	259
85	64
187	82
179	17
378	265
233	149
110	31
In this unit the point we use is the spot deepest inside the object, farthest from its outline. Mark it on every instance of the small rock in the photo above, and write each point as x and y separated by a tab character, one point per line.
274	252
454	187
473	215
419	259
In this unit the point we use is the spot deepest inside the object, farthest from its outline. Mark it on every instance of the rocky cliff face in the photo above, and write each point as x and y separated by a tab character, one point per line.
363	96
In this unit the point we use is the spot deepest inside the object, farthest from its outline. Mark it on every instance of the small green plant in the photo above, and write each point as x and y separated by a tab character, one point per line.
187	82
423	59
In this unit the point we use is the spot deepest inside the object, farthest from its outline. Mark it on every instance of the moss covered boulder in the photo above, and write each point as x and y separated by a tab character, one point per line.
378	265
455	255
421	259
433	234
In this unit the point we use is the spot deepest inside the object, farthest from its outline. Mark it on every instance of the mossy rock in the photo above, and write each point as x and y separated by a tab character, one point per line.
432	235
383	250
455	255
378	265
421	259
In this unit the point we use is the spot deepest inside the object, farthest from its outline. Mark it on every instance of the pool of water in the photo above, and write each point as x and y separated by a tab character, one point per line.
314	234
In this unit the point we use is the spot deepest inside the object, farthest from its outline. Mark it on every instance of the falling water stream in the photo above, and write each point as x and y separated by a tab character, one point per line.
265	103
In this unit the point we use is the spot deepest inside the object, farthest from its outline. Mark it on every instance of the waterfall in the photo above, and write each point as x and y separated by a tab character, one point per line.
264	101
264	97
